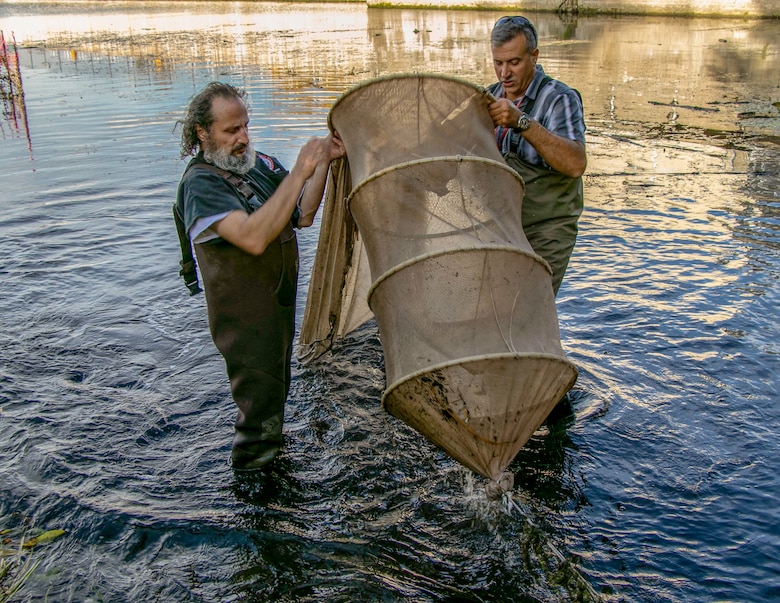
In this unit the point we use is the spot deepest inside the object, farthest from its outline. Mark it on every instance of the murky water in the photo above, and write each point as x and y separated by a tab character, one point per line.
659	483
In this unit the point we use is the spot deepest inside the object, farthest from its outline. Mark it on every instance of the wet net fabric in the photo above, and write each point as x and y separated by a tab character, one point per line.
337	301
422	229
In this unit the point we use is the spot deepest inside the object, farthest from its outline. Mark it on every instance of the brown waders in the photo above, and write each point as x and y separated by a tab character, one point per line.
551	207
251	310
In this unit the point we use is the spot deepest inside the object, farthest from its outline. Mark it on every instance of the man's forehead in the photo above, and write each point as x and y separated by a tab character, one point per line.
227	115
516	48
509	51
223	106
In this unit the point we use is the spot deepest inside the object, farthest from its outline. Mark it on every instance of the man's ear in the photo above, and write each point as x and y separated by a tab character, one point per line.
202	134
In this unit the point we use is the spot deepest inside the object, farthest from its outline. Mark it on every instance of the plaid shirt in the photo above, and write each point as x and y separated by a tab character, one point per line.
556	107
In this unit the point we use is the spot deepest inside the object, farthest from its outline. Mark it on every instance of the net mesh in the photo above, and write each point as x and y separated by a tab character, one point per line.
422	229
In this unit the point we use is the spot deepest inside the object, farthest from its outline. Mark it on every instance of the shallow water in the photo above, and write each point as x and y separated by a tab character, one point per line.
658	483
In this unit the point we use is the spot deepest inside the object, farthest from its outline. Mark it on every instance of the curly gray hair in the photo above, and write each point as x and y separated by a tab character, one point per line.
199	114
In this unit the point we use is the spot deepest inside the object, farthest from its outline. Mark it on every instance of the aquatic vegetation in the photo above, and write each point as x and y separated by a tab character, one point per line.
17	559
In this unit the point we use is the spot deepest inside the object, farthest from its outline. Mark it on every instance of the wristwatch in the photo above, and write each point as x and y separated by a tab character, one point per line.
524	122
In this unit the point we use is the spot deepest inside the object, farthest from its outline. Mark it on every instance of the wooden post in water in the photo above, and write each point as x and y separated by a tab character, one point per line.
11	89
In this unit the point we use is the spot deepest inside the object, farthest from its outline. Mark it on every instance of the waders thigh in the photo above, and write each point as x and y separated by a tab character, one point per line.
554	240
552	205
251	309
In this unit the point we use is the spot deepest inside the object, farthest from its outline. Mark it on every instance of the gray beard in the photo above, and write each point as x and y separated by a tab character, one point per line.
225	161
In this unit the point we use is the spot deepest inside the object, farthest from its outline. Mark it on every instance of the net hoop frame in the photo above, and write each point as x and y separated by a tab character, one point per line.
440	159
404	76
390	389
442	252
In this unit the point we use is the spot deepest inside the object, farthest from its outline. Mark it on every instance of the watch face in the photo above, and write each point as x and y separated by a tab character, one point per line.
523	122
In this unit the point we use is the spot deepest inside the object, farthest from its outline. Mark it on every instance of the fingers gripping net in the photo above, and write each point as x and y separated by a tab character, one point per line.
465	307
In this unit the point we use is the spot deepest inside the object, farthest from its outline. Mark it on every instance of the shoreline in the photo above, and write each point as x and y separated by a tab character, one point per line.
717	9
587	11
567	9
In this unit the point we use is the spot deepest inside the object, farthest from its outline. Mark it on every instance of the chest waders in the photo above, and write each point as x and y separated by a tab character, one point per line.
552	203
251	311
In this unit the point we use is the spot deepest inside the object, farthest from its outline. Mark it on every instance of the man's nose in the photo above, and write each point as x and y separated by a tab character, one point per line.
243	135
504	71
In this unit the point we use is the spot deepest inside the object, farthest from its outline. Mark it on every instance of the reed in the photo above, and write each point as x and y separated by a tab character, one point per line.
17	558
16	567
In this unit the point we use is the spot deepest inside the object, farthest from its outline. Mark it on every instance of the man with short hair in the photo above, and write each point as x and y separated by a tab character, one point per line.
540	131
239	208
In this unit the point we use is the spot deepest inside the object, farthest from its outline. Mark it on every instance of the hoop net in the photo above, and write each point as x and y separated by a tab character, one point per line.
429	240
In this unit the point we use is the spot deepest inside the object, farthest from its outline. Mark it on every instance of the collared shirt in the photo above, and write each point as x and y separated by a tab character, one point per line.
556	107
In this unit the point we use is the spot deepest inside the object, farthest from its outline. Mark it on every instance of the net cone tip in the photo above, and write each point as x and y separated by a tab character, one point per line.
503	483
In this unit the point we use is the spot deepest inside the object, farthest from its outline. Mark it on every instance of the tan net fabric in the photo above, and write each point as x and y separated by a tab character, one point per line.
465	308
337	302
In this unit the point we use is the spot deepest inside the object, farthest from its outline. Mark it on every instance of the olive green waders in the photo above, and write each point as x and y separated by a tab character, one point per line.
552	205
251	310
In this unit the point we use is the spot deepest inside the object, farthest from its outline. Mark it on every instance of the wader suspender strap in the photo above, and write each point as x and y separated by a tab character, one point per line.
239	183
188	270
529	106
514	136
532	101
187	262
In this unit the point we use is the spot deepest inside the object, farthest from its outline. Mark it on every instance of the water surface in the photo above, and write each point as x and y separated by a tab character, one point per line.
657	483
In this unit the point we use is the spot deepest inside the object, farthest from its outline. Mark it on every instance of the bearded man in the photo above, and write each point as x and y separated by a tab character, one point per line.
239	209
